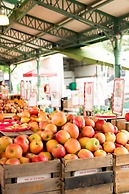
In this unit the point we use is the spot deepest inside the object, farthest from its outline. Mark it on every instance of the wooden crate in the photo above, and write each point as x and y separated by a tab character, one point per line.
14	134
88	176
121	124
121	173
32	181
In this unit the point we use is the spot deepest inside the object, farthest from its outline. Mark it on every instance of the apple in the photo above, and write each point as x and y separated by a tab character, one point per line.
110	136
51	127
47	135
79	121
29	155
109	146
120	151
13	151
71	157
121	138
24	120
108	127
50	143
127	116
13	161
39	158
126	132
24	160
82	141
58	151
89	121
25	114
59	118
33	125
23	142
4	142
99	153
33	110
92	144
47	154
115	129
127	146
36	146
100	136
43	124
72	146
35	137
70	117
3	160
62	136
87	131
85	153
118	145
98	124
72	129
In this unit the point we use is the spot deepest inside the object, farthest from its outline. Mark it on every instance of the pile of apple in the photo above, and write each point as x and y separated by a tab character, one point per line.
64	136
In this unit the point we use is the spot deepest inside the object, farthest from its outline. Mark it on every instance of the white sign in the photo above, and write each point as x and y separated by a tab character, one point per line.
55	99
33	99
118	96
88	96
33	178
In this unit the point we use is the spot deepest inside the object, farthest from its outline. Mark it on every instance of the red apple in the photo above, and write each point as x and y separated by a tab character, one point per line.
58	151
24	160
85	153
127	116
13	151
79	121
13	161
29	155
35	137
121	138
23	142
115	129
4	142
36	146
47	154
100	153
39	158
108	127
59	118
98	124
120	151
33	110
33	125
72	146
43	124
109	146
72	129
100	136
87	131
3	160
92	144
50	143
71	157
70	117
118	145
89	121
62	136
47	135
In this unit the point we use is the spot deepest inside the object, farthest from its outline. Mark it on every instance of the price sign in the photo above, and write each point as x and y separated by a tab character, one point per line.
88	96
55	99
33	99
118	96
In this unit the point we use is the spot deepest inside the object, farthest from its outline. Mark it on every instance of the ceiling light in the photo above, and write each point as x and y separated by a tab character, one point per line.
4	20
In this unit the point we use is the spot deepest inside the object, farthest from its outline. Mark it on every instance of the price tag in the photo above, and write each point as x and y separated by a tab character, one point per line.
33	99
88	96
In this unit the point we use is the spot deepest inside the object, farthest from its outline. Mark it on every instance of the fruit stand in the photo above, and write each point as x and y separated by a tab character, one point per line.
68	154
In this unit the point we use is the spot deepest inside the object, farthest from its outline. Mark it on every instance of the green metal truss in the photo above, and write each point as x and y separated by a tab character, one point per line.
21	46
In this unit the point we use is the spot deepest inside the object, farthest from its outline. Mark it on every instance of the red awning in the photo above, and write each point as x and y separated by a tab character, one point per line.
33	73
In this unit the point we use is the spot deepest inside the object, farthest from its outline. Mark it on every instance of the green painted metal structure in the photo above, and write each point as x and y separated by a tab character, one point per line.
31	34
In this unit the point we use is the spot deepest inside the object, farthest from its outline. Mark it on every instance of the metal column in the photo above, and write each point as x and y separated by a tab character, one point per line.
38	78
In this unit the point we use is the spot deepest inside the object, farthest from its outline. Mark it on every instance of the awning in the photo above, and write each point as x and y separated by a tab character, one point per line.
33	73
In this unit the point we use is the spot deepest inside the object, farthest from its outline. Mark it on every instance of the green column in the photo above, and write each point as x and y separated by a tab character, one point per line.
10	84
117	55
38	77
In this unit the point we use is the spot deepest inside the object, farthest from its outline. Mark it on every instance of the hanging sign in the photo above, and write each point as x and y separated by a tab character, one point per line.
75	98
55	99
118	96
33	99
88	96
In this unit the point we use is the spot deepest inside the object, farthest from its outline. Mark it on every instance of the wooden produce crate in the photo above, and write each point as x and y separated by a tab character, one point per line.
14	134
31	178
121	173
88	176
121	124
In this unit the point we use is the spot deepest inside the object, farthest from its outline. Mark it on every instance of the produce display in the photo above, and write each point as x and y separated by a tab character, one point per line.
58	135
